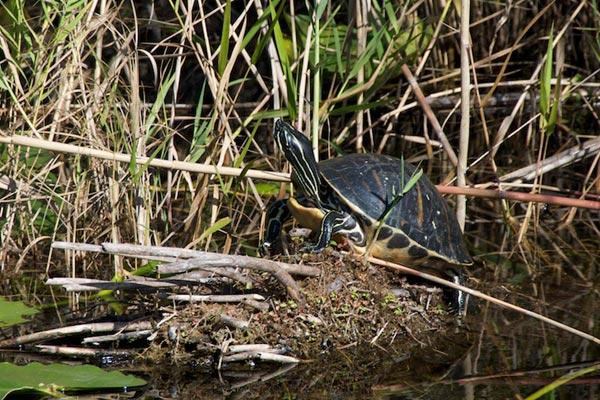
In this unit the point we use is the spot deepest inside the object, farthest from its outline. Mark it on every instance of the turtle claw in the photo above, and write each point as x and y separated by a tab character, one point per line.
264	249
307	248
311	248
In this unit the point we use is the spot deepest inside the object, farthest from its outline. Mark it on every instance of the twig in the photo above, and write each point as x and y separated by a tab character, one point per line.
235	323
430	115
241	348
19	140
202	272
465	109
118	336
260	355
201	259
80	351
524	197
216	298
259	305
227	260
84	284
167	254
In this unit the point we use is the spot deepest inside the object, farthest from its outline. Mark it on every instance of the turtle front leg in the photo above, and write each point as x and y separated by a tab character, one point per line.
277	214
335	222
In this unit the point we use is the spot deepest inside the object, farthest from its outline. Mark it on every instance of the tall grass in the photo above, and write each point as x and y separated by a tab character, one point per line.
187	82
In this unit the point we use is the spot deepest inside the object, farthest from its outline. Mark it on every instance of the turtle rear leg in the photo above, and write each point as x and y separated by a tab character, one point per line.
458	299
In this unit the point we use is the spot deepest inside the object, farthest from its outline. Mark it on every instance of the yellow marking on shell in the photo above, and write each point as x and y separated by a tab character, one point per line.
377	179
381	249
420	203
383	252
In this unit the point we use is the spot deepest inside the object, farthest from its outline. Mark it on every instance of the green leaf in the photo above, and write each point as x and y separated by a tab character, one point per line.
267	188
220	224
357	107
159	103
563	380
257	27
321	7
200	137
12	312
366	57
391	15
412	181
396	197
546	79
148	269
280	45
55	379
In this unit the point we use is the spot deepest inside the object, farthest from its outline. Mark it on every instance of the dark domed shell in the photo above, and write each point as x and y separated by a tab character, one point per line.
367	184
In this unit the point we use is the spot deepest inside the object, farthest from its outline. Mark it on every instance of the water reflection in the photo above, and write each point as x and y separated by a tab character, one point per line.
507	355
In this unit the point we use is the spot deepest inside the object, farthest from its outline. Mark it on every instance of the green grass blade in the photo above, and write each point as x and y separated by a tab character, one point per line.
224	52
280	45
563	380
546	79
218	225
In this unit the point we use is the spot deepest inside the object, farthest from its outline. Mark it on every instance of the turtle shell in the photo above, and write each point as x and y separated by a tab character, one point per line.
419	227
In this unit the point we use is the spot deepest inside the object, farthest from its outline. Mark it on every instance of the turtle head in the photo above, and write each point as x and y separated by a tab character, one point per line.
297	150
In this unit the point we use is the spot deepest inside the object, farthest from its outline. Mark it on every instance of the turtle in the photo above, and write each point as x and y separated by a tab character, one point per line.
367	199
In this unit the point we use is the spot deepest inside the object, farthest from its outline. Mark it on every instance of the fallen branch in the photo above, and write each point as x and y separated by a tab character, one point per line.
121	336
200	260
167	254
235	323
75	330
216	298
227	260
81	351
260	355
96	285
